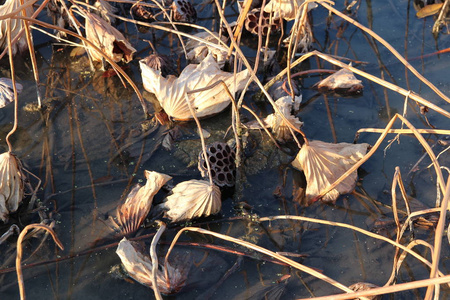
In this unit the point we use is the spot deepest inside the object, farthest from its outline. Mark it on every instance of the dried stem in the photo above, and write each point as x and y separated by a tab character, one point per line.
19	252
13	79
154	258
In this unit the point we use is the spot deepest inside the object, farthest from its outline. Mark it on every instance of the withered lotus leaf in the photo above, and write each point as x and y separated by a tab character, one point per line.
136	207
11	184
323	163
171	91
279	126
286	9
108	39
139	267
192	199
7	92
16	25
342	81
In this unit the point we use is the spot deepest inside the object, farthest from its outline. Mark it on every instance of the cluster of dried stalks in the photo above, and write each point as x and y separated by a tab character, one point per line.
202	90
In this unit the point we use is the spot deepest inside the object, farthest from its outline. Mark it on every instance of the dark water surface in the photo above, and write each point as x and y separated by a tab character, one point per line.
89	119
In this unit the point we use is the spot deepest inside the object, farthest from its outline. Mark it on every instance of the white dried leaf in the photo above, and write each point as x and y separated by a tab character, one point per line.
286	9
108	39
136	207
197	51
171	91
139	267
16	25
192	199
11	184
323	163
7	91
343	80
279	126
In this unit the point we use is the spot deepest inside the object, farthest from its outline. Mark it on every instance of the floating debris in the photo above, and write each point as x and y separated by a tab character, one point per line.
139	267
221	159
323	163
11	184
192	199
132	213
7	91
171	91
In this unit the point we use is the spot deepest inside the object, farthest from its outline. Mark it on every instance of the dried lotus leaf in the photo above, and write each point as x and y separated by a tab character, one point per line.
16	25
323	163
11	184
108	39
286	9
171	91
7	91
279	126
139	267
136	207
192	199
343	81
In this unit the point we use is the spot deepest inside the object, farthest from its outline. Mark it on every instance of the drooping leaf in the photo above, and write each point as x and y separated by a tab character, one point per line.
171	91
108	39
192	199
136	207
11	184
323	163
139	267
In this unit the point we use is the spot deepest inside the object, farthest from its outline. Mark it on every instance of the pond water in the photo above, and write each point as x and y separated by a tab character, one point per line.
93	129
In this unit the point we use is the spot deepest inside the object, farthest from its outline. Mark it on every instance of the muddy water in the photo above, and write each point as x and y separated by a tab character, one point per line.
93	129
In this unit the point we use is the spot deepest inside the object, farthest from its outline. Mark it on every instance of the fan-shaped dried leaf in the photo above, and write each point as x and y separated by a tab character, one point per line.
11	184
197	51
286	9
7	92
136	207
16	25
171	91
343	81
108	39
139	267
192	199
323	163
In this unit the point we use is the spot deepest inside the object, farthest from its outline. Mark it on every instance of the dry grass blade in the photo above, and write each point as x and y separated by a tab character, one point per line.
438	238
405	131
389	47
94	47
348	226
260	249
389	289
19	252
